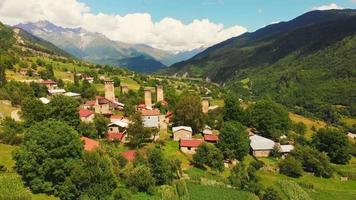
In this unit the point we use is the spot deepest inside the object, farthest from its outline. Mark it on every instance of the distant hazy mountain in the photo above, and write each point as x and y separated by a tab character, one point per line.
97	48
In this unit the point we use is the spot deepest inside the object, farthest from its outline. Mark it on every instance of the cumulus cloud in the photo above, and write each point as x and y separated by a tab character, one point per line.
168	33
328	7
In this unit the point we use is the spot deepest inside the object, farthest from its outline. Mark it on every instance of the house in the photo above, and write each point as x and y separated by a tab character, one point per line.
116	118
90	144
56	91
72	94
207	131
211	138
89	105
44	100
49	84
129	155
351	135
182	132
286	149
89	79
117	126
86	115
106	106
190	146
116	136
150	118
261	146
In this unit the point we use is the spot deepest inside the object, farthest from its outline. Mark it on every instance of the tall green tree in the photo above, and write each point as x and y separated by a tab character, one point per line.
65	109
160	168
93	178
334	143
33	110
141	179
208	155
137	133
269	118
101	125
233	140
188	112
47	155
232	109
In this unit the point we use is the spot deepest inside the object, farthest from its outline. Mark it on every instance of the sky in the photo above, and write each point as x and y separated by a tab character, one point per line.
172	25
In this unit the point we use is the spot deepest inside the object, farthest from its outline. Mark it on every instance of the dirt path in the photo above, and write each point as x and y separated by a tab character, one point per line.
15	115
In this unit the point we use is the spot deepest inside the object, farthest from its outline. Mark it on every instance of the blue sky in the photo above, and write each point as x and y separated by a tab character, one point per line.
251	14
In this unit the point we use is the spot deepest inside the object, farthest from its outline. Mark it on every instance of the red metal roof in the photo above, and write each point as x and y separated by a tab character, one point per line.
90	144
85	113
211	138
116	117
129	155
190	143
115	136
154	112
48	82
90	103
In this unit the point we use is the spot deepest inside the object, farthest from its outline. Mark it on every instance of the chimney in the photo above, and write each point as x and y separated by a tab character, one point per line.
124	89
205	104
159	91
109	90
148	99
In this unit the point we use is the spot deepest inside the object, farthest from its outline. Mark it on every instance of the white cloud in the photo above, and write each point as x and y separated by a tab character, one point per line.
168	33
328	7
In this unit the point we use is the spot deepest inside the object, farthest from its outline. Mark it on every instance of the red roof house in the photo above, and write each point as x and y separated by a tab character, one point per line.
90	144
211	138
85	113
129	155
189	146
115	136
154	112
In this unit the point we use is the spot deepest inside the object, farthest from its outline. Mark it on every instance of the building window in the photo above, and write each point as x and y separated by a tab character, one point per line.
189	148
111	129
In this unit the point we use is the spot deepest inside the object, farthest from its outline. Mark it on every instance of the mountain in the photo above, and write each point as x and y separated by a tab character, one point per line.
96	47
305	62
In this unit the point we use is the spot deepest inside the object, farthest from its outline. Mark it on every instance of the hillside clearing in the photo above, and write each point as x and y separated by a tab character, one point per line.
308	122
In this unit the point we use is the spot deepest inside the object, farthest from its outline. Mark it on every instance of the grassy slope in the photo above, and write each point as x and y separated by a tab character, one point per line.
205	192
6	160
308	122
6	109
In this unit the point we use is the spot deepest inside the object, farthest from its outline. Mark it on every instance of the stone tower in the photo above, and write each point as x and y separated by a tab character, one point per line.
148	98
159	91
124	89
109	90
205	104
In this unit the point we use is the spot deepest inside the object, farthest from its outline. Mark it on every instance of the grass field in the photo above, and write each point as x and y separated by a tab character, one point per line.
198	192
6	109
349	121
171	150
13	177
308	122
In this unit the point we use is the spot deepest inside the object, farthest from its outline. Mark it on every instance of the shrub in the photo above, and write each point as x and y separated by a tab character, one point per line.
270	194
140	178
293	191
291	167
257	164
121	194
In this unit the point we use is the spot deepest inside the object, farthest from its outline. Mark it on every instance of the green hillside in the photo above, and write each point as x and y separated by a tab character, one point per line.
304	63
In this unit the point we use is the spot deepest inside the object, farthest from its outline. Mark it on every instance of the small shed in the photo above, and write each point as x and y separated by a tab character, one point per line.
86	115
116	136
117	126
211	138
182	132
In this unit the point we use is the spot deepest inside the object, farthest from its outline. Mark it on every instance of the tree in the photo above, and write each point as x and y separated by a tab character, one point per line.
232	110
208	155
93	177
16	92
160	168
233	140
65	109
291	167
140	178
121	194
188	112
300	128
2	72
334	143
33	110
101	125
47	155
269	118
40	90
87	129
271	194
313	161
116	81
11	131
137	133
60	83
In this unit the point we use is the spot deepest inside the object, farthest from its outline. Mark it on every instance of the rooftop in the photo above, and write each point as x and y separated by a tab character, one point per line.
190	143
90	144
177	128
115	136
154	112
211	138
119	123
129	155
85	113
261	143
